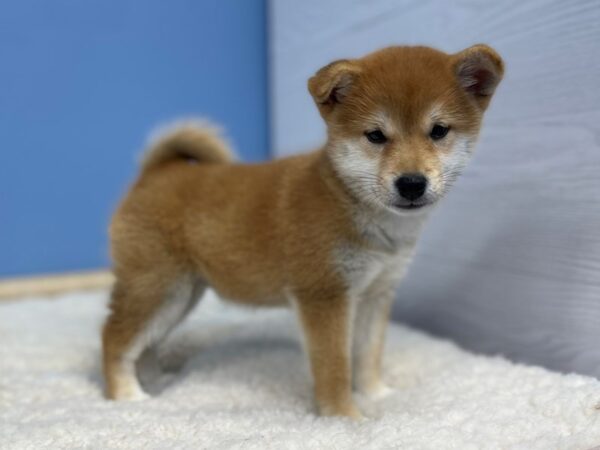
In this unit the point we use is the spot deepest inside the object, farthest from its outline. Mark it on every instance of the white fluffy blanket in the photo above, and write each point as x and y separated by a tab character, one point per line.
243	383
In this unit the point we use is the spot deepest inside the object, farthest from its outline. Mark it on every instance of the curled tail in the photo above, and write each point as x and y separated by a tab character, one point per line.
189	140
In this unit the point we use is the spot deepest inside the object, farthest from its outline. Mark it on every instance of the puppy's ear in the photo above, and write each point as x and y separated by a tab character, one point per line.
331	84
479	70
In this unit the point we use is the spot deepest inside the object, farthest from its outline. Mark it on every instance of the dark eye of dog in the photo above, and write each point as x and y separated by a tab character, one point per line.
376	137
438	132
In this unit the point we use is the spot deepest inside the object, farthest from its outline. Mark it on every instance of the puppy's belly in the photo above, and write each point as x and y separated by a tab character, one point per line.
237	288
254	301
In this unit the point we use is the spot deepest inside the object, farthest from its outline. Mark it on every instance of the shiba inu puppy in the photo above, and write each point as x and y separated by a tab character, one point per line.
329	232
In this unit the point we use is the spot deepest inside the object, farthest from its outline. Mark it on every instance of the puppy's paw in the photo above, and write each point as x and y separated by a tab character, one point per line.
354	414
128	394
349	411
135	396
380	391
376	391
358	417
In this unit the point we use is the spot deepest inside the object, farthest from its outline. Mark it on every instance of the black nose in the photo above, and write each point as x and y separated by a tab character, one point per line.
411	186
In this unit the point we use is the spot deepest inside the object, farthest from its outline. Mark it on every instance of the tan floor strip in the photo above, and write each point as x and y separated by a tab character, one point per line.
54	284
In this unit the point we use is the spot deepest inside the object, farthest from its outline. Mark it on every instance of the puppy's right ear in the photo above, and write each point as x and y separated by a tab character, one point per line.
331	84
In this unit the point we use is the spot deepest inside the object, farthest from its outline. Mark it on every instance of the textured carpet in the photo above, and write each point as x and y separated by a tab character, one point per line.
243	383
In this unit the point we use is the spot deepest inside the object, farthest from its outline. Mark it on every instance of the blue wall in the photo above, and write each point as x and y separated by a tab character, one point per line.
81	85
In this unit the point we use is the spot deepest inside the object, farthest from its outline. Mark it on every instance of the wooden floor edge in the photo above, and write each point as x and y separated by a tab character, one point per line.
54	284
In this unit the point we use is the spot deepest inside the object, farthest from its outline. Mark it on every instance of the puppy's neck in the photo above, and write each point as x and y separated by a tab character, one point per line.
388	232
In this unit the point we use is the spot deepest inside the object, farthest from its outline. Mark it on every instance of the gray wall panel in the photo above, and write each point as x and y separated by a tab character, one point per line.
510	262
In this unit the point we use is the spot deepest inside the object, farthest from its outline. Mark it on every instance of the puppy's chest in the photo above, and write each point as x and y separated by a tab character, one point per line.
384	259
361	267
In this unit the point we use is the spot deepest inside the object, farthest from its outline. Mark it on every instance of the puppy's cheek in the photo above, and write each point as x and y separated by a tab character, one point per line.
434	170
436	185
356	165
454	161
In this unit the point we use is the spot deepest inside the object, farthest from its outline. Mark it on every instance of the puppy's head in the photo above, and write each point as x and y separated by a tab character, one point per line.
402	122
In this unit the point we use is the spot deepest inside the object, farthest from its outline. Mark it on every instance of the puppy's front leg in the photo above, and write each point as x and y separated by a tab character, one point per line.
327	324
370	324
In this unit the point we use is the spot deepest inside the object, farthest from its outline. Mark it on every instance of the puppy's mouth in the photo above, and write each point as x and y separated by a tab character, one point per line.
411	206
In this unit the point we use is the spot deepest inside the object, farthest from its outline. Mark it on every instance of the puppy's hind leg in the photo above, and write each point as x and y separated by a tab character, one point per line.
141	317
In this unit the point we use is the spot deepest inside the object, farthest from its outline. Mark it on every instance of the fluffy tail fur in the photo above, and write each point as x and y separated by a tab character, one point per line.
190	140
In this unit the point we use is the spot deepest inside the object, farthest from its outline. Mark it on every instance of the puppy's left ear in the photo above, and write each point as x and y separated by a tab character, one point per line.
479	70
332	83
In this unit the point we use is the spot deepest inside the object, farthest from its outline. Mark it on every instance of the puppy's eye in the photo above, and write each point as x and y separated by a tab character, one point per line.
376	137
438	132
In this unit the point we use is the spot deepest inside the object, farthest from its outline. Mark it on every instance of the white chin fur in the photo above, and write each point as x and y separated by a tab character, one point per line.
412	212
